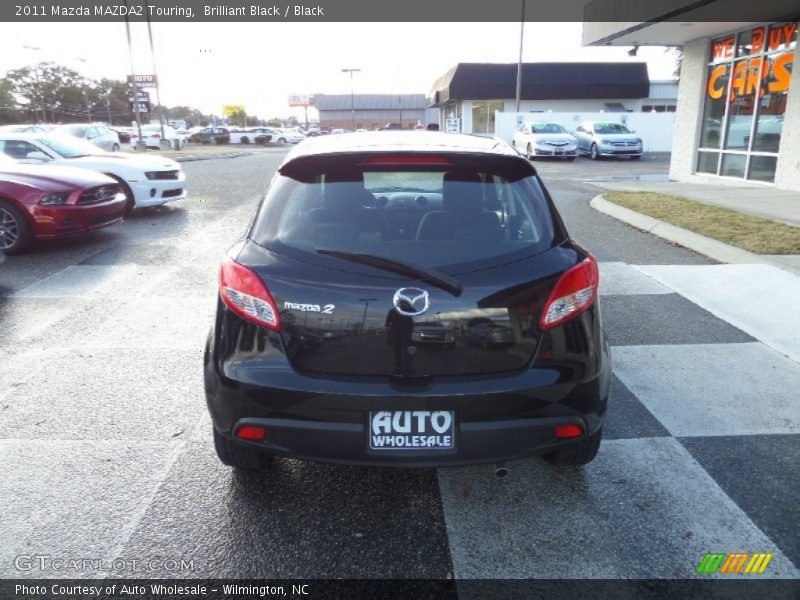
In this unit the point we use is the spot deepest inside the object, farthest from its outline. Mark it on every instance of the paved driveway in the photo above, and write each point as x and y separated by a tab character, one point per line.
106	453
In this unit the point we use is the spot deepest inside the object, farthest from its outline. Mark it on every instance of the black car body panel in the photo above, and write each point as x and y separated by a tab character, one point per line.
345	349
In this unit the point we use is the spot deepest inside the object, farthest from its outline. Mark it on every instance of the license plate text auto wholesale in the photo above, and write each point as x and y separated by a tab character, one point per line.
411	430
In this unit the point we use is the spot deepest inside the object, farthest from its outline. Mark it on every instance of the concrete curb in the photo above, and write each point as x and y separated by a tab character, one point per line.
191	158
719	251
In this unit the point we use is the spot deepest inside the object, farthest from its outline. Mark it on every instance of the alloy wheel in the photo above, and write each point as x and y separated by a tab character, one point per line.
9	229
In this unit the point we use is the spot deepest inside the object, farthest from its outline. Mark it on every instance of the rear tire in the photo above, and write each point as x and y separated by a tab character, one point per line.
578	453
115	148
484	344
237	456
17	231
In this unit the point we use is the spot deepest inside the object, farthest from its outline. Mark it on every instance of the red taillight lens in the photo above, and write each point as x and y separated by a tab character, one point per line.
568	431
573	294
252	433
156	135
245	294
408	159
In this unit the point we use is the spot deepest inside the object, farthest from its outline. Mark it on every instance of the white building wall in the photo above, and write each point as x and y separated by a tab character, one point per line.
570	105
787	175
688	114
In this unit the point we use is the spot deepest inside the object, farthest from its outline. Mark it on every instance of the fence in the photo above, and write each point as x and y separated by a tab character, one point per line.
655	129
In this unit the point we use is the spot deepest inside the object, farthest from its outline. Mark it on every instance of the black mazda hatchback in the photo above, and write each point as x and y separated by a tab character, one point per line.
407	299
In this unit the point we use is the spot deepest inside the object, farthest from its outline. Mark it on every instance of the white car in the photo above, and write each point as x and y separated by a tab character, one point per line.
152	136
146	180
542	139
96	133
286	136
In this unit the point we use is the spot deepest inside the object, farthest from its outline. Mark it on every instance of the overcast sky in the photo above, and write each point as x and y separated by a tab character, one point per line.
259	64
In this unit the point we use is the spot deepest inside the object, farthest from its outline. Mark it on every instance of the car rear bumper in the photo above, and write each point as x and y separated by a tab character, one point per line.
69	220
334	426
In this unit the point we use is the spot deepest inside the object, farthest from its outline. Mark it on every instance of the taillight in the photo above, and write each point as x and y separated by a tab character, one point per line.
568	431
245	294
252	433
574	293
156	135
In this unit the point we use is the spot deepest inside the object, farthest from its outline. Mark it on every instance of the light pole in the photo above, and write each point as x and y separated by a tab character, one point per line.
140	145
366	302
352	97
519	62
155	74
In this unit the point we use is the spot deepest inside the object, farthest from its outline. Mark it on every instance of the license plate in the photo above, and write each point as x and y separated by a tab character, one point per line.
412	430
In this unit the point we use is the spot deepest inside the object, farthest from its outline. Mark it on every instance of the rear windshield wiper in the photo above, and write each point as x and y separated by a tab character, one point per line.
440	280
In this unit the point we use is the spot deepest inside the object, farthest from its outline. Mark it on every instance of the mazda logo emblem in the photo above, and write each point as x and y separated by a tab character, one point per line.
411	301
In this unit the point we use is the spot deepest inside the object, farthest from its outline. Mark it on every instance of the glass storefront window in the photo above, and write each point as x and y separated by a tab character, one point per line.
772	105
762	168
733	165
714	111
707	162
483	115
747	86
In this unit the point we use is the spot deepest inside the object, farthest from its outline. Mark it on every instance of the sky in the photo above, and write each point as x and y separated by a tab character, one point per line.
259	65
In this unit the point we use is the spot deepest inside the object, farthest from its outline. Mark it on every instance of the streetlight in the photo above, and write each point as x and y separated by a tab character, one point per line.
352	101
366	302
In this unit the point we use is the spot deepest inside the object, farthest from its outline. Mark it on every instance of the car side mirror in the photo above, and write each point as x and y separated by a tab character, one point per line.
37	155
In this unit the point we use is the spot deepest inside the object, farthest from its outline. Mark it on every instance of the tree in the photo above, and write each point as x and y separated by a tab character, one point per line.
10	111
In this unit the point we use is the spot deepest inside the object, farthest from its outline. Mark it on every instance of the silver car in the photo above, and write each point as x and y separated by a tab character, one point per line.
486	335
543	139
97	134
601	138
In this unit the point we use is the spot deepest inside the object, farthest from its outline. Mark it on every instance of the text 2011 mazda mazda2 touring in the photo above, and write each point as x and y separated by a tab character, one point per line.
407	299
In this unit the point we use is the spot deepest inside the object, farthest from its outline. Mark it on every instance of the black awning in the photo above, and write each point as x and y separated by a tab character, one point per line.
543	81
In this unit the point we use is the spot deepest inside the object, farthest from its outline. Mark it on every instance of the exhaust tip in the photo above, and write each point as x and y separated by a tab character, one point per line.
500	472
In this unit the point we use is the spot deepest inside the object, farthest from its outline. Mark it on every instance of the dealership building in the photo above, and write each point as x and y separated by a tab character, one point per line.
370	111
738	107
471	93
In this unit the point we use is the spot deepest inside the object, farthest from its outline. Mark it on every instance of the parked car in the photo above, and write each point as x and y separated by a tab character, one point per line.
542	139
600	138
392	127
313	132
252	135
145	180
486	334
288	136
22	129
38	202
355	401
434	333
99	135
152	136
210	135
124	134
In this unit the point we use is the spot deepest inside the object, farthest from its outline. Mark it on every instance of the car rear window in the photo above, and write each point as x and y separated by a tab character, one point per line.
430	215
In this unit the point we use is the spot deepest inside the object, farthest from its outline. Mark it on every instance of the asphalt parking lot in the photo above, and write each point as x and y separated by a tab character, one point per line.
106	452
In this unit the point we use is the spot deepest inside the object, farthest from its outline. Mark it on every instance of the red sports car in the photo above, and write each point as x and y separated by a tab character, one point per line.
45	202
